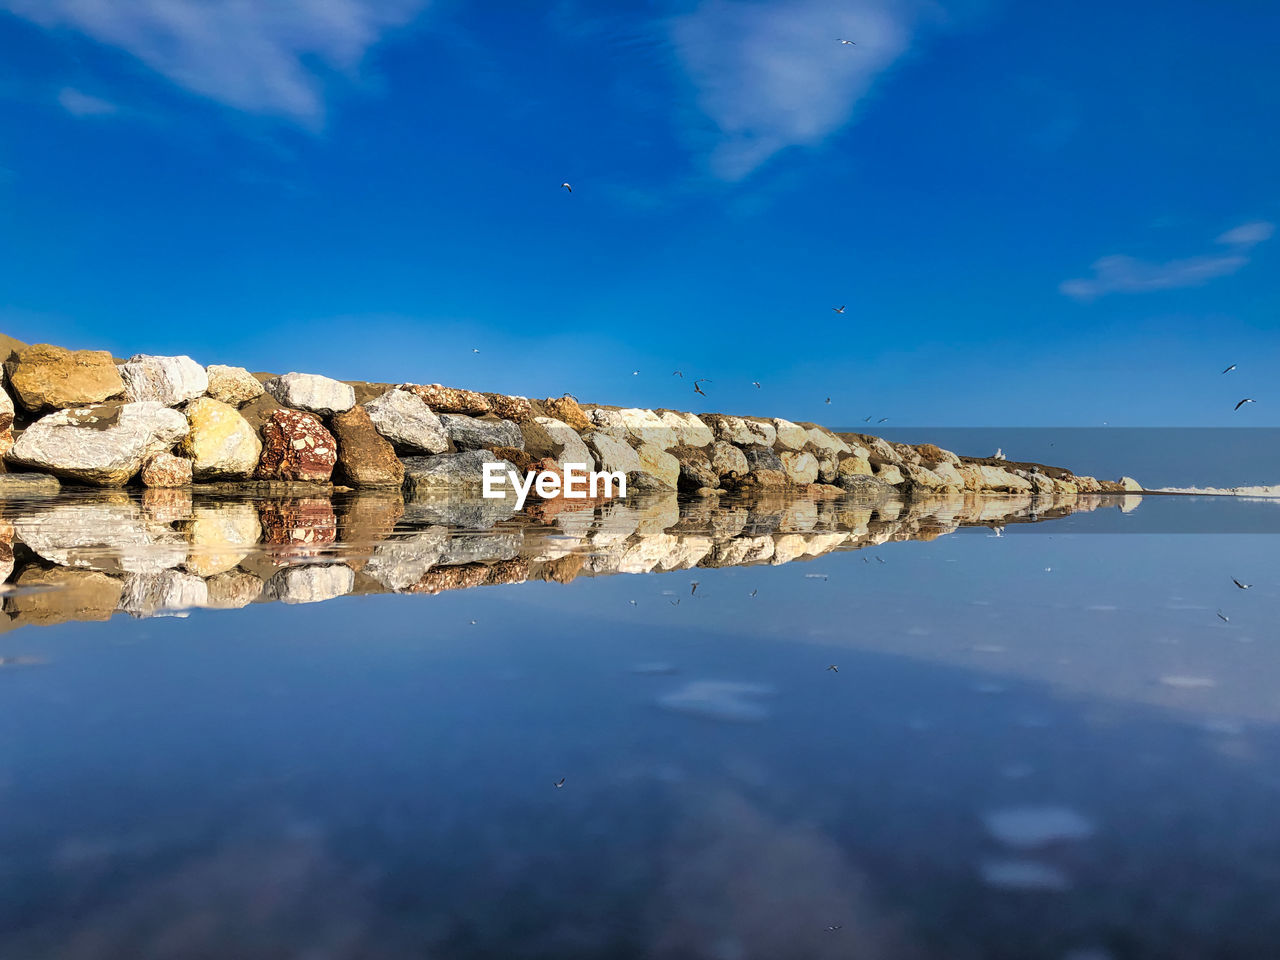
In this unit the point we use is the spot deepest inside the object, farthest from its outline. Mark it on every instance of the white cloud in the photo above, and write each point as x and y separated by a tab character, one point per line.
1123	274
84	105
772	76
255	55
1248	234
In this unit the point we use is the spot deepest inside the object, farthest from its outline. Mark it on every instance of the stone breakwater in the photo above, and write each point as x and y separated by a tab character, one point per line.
86	418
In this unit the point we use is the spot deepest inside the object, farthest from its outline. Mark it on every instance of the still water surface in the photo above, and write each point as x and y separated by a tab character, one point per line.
1042	744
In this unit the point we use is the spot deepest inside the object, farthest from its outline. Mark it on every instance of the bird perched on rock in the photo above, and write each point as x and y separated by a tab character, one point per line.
998	455
567	187
1244	401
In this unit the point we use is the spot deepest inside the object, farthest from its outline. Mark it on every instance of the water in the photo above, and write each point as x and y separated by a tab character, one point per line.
1040	744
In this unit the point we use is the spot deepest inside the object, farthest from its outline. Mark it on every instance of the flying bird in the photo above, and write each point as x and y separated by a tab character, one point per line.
756	384
1229	369
697	389
635	373
754	592
474	350
694	585
836	926
852	43
882	420
866	419
679	373
675	603
828	400
567	187
839	309
560	783
833	668
1223	617
1244	401
1242	586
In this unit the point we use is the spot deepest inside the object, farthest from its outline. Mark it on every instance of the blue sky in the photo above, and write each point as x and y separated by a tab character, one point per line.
1037	214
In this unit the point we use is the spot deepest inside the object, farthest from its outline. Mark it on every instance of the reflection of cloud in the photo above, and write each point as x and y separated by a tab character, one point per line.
83	105
772	76
256	56
1123	274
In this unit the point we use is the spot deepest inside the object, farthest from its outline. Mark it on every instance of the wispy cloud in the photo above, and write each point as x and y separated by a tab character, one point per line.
771	75
263	56
1124	274
83	105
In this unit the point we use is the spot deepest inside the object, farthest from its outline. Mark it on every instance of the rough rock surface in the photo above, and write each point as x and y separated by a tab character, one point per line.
296	446
729	429
566	409
165	470
655	460
424	476
762	458
312	392
791	436
450	399
573	450
167	380
404	418
862	485
510	407
727	459
312	583
46	377
612	453
695	469
686	429
6	405
222	445
889	473
826	441
799	467
365	457
468	433
233	385
104	444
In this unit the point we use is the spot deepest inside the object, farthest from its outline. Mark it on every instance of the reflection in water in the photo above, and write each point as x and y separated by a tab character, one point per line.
1033	746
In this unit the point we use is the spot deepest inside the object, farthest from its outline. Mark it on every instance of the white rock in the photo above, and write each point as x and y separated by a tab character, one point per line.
611	452
406	420
655	460
726	459
312	392
575	451
791	436
164	592
167	380
761	431
827	441
233	385
686	428
112	537
799	467
732	429
104	444
311	583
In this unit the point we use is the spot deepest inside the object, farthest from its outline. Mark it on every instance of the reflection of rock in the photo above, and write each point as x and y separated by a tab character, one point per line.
166	505
450	511
299	528
114	537
165	591
221	535
104	445
60	595
311	583
232	590
370	517
475	548
19	485
401	563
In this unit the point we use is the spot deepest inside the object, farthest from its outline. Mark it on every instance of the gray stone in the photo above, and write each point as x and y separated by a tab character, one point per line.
573	449
468	433
727	458
405	419
312	392
104	444
167	380
762	458
611	452
450	471
310	583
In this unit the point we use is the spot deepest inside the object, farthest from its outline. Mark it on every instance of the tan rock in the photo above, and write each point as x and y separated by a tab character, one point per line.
165	470
508	407
889	473
1130	485
450	399
656	461
791	436
566	409
853	466
365	457
47	377
232	385
222	445
799	467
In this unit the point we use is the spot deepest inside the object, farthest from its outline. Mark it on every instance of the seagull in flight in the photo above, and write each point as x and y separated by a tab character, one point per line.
567	187
1223	617
833	668
635	373
694	585
1244	401
1229	369
866	419
839	309
756	384
697	389
559	783
754	592
474	350
852	43
679	373
882	420
1242	586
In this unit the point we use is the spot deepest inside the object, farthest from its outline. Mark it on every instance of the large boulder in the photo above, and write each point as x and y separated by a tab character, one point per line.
167	380
791	436
862	485
853	467
222	445
1130	485
510	407
572	449
656	461
826	441
763	458
296	446
566	408
165	470
312	392
46	377
468	433
365	457
404	418
729	429
424	476
727	459
104	444
635	424
233	385
686	429
451	399
762	431
696	471
799	466
612	453
889	473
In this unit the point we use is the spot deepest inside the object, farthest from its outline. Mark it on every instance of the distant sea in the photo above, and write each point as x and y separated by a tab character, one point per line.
1216	457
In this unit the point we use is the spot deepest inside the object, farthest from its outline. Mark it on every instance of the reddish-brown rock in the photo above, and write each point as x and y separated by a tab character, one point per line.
166	470
296	446
365	457
294	528
508	407
450	399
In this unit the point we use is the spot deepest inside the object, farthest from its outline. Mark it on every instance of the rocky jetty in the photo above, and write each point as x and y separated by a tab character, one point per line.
86	418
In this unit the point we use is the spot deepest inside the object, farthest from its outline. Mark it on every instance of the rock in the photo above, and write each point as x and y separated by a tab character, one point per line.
791	436
932	453
686	429
312	392
656	461
450	399
517	409
882	450
220	535
232	385
468	433
863	485
59	595
889	473
167	380
763	458
828	468
6	410
853	467
634	424
726	459
109	533
950	474
567	410
763	477
259	410
104	444
826	441
1130	485
572	448
296	446
696	471
638	481
612	453
165	470
730	429
311	583
919	479
221	444
799	467
155	593
232	590
48	377
450	471
762	431
365	457
1000	480
14	486
519	459
404	418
